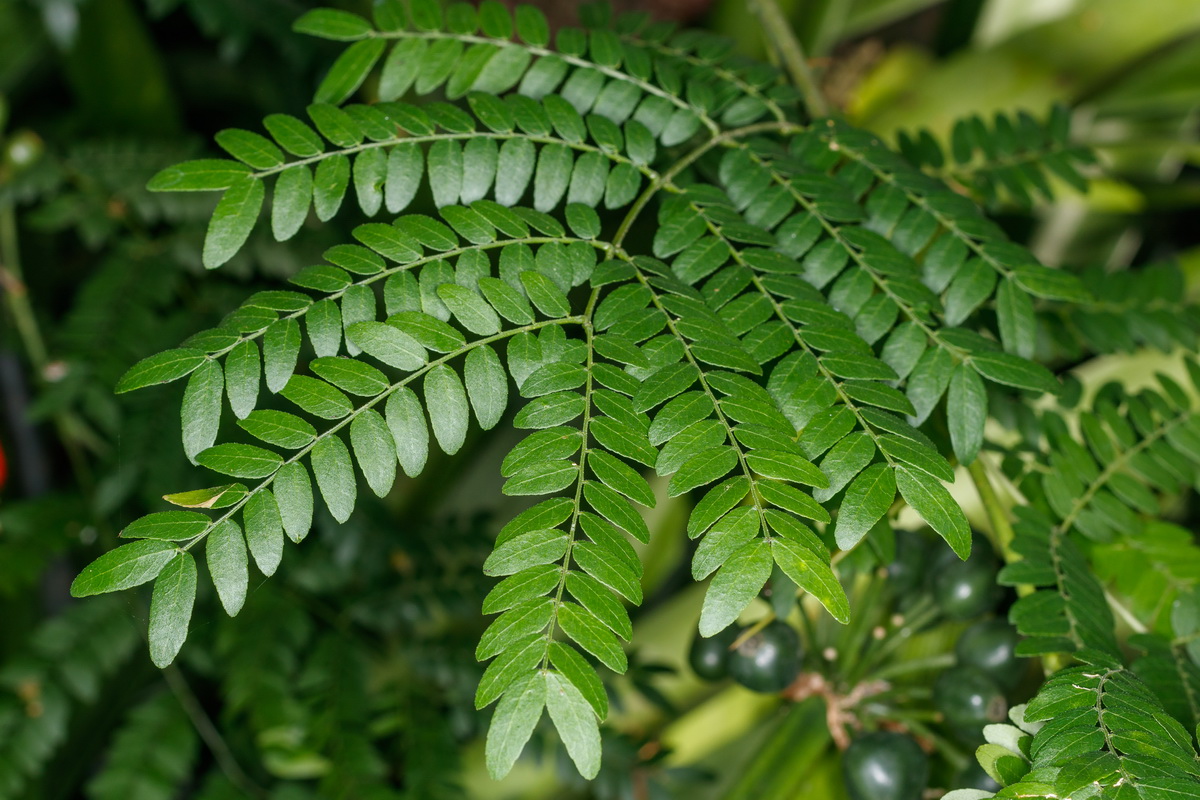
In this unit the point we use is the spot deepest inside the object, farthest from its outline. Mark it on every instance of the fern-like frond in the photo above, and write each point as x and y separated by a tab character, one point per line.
68	660
1094	730
1011	161
583	125
151	756
807	301
417	343
1137	447
1169	668
1147	306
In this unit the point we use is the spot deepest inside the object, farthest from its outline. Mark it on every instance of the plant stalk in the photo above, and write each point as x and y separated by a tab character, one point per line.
997	514
784	42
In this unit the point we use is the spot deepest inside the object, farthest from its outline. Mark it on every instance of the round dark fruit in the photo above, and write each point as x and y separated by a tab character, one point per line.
708	657
991	646
768	661
907	571
969	699
885	766
966	589
974	777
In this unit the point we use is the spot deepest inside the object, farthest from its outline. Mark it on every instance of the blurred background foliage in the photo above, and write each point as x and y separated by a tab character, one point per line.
351	674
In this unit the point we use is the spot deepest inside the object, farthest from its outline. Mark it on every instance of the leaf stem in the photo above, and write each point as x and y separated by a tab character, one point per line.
12	281
783	40
209	733
997	513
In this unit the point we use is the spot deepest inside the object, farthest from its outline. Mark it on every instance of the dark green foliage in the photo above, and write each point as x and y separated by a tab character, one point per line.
648	256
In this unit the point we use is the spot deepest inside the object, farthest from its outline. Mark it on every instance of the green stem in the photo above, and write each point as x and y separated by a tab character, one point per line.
916	665
1002	530
783	40
209	733
921	615
12	281
855	639
572	531
800	737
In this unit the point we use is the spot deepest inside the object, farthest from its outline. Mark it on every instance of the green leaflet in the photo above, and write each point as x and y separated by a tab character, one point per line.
527	550
201	409
225	554
447	403
290	202
519	710
240	460
233	220
487	385
406	421
576	723
264	531
281	349
966	412
293	492
242	372
171	608
167	525
198	176
812	573
589	633
375	450
933	502
123	568
335	476
349	71
161	368
735	584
